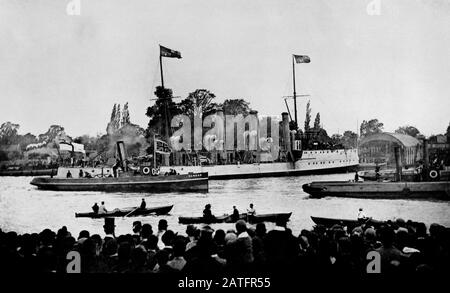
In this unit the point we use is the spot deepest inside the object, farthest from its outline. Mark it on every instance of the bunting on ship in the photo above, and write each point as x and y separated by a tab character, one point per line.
166	52
162	147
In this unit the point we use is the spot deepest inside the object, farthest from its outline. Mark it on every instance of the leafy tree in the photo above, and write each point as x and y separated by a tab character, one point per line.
27	139
336	139
54	134
161	113
200	98
117	118
349	139
370	127
409	130
111	127
448	133
125	115
113	113
317	122
8	133
235	107
308	117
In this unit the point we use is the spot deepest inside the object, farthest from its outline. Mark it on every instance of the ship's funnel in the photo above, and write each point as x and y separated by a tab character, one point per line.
287	135
121	153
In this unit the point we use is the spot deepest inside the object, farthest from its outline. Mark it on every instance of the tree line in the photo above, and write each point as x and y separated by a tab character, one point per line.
13	145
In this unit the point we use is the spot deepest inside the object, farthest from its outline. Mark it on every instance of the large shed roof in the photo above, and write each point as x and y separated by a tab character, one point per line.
401	139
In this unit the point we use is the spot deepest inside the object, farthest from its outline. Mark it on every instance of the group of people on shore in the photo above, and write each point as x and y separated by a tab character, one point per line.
403	246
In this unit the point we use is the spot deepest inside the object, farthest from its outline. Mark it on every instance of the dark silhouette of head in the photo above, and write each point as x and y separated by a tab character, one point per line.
168	238
162	225
281	222
241	226
260	229
137	226
146	231
109	226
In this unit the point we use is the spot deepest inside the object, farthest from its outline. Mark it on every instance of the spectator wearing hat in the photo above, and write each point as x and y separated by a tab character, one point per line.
281	247
109	228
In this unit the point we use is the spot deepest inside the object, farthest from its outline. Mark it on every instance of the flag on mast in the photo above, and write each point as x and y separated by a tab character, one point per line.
166	52
302	59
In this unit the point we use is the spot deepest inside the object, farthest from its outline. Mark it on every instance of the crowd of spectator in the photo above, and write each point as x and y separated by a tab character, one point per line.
403	247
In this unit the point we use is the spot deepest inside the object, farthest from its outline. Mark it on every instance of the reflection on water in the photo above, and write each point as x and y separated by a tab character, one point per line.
23	208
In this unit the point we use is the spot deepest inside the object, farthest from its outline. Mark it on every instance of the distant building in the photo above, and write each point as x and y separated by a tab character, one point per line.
378	149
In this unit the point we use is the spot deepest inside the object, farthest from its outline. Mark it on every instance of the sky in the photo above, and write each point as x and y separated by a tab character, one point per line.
391	63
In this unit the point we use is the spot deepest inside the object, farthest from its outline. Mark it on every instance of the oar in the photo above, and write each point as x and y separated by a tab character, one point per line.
131	212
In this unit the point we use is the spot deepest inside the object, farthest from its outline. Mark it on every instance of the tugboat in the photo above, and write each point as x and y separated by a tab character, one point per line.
429	184
141	179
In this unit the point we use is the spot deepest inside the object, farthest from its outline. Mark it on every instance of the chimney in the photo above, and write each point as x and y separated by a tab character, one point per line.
286	132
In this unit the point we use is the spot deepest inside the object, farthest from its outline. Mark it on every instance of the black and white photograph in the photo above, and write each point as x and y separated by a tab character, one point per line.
225	144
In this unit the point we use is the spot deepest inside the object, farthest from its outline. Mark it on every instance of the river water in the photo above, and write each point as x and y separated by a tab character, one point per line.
23	208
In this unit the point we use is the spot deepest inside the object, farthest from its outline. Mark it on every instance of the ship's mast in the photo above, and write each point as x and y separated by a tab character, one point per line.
166	52
166	114
295	94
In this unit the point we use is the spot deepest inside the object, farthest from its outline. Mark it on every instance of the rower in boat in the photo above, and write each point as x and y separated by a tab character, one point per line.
95	208
251	211
235	216
102	209
207	214
143	204
362	216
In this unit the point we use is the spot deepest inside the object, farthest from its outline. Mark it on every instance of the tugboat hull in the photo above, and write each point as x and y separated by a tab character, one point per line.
197	182
382	190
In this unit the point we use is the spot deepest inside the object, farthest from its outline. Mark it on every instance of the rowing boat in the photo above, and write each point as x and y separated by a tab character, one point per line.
132	211
230	219
329	222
